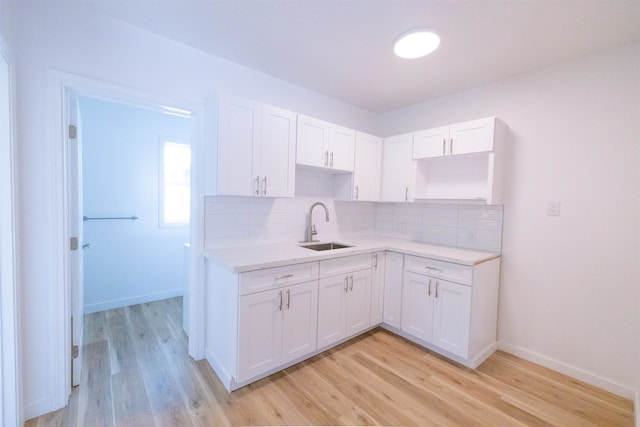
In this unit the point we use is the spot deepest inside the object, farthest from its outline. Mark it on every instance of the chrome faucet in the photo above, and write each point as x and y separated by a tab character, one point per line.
311	228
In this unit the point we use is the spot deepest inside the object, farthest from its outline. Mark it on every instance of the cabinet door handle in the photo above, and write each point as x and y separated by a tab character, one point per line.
280	304
437	283
331	159
429	291
406	194
357	191
286	276
264	189
257	185
444	143
288	299
346	284
375	260
326	158
351	287
451	146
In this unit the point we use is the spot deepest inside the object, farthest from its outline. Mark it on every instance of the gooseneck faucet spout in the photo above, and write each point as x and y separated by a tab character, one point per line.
311	228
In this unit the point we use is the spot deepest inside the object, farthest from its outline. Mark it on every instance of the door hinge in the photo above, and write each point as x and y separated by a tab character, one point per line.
73	244
75	352
73	131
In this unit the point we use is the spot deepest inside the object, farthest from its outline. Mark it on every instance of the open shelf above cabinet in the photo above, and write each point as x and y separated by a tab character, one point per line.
465	178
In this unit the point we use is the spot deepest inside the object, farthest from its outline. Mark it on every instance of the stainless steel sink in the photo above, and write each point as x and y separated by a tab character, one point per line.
325	246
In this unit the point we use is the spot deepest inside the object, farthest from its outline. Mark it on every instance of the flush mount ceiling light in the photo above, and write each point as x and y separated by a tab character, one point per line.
416	43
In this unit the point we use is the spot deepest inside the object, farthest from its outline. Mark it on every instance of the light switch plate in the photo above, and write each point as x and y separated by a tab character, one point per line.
553	208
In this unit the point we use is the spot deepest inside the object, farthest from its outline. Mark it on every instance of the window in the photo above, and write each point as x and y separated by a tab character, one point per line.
175	191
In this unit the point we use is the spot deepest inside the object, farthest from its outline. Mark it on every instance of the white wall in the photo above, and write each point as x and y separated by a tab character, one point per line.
570	285
127	262
65	37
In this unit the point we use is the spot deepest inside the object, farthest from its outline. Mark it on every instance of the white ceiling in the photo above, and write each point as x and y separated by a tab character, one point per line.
343	48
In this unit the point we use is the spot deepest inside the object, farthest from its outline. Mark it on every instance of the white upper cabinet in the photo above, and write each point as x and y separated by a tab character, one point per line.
475	136
461	162
277	152
255	149
325	145
430	142
368	168
398	169
238	134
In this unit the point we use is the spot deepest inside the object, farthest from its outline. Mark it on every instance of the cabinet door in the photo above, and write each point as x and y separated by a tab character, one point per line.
260	333
358	302
367	168
392	309
377	288
431	143
300	320
451	316
342	142
238	134
312	142
417	305
277	152
332	297
398	169
472	137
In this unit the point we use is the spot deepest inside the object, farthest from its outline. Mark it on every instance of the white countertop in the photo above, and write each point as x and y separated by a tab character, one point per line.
256	257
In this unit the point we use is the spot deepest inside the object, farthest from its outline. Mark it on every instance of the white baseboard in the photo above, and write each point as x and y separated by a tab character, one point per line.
573	371
138	299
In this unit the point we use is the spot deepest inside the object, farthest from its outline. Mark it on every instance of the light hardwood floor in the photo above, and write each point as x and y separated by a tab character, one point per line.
137	373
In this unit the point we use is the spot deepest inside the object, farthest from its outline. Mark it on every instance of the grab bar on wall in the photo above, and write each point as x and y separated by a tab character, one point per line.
86	218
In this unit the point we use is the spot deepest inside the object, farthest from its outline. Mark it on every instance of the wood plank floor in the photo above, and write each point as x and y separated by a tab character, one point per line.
137	373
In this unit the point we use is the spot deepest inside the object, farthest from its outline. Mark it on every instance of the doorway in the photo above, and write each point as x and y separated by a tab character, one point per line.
72	86
135	202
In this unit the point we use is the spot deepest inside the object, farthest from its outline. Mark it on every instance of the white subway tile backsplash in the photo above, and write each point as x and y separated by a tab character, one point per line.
233	221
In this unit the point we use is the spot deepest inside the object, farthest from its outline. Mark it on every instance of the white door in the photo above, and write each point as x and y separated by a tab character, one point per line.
313	142
474	136
398	169
277	152
417	305
431	142
367	168
77	245
358	302
332	296
260	333
392	309
342	143
300	321
451	317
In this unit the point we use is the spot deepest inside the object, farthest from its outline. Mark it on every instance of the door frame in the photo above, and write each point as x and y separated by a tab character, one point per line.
10	373
61	85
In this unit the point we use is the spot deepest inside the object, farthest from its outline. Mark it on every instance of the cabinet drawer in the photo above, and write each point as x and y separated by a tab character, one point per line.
271	278
347	264
442	270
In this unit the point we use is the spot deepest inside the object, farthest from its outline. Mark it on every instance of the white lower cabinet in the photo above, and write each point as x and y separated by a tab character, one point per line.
392	310
439	311
263	320
276	327
377	287
344	300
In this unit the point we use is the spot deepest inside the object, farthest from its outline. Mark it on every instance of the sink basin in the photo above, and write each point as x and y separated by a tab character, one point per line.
325	246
